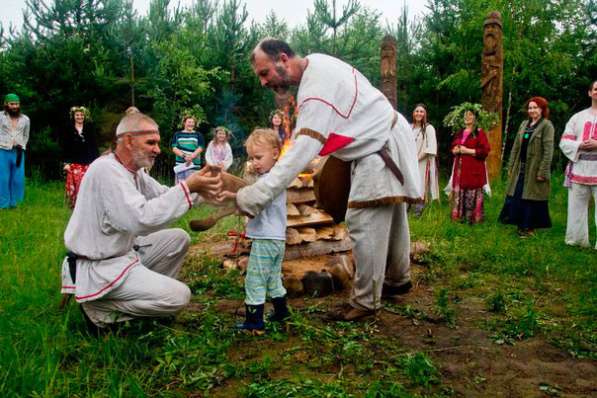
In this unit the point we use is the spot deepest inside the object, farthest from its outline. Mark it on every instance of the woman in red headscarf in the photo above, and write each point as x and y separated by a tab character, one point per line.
529	171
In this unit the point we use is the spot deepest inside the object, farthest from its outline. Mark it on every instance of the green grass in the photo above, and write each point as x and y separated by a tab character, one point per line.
533	287
522	281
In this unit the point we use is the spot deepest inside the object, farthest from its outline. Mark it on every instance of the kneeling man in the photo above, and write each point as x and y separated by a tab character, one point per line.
122	260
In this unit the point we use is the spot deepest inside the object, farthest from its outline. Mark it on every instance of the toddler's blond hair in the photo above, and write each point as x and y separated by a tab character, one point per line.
264	137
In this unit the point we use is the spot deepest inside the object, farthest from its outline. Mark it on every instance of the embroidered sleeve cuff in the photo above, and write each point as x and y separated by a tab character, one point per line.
187	193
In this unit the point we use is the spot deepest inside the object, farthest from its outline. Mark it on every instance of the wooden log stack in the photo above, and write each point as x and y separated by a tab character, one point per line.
315	245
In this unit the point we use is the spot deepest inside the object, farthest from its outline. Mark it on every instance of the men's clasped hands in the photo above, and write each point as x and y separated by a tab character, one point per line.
207	182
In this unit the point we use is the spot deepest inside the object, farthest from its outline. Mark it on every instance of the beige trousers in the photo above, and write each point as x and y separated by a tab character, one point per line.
577	226
381	250
150	289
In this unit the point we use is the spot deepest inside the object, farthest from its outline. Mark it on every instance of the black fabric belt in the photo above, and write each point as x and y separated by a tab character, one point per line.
72	258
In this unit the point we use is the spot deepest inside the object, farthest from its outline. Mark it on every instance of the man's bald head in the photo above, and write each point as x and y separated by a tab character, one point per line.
272	48
137	141
136	123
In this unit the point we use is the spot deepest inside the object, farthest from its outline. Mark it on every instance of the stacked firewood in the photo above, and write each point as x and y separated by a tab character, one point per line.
317	259
307	223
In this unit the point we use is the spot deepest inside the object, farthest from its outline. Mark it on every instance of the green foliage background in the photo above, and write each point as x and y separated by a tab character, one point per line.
196	58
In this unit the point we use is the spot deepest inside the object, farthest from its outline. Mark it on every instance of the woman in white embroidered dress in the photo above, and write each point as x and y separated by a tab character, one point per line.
426	151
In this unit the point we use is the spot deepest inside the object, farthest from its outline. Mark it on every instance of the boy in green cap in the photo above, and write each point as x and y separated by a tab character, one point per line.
14	135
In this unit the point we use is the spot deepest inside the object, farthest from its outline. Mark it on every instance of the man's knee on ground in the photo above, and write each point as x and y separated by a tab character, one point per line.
180	296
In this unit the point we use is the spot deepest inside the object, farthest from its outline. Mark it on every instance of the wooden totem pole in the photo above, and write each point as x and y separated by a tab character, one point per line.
492	76
389	84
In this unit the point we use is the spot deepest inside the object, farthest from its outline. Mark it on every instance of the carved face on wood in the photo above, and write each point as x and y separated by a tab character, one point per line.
388	58
387	49
490	39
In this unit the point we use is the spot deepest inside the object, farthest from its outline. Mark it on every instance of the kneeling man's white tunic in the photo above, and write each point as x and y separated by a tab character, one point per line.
118	211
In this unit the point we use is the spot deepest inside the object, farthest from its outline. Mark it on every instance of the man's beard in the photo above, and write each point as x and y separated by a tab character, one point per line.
142	160
12	112
283	86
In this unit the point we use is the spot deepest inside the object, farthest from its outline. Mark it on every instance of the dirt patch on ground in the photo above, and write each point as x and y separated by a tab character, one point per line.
471	363
474	365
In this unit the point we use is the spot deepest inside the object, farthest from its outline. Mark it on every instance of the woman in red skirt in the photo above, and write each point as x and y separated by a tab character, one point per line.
470	147
79	150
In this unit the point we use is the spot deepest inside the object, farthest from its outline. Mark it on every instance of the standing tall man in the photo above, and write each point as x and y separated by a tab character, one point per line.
579	144
14	135
123	261
342	115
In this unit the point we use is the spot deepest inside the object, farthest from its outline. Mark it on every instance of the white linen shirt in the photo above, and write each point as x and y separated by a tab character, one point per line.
114	206
10	137
341	114
580	127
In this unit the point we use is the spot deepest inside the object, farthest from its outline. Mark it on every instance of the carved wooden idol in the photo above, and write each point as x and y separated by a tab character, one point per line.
492	72
388	70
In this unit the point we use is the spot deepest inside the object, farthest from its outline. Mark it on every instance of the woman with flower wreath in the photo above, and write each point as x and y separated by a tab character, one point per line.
79	150
218	150
470	148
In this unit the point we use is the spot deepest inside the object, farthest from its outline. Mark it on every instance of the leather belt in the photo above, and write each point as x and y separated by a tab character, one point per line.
383	152
394	120
387	159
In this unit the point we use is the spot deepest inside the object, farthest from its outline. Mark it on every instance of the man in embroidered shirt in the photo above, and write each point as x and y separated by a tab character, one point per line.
14	135
341	114
579	144
126	259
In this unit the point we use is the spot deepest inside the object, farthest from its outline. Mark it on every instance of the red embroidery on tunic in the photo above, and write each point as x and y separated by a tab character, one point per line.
583	179
109	285
570	137
334	143
342	115
187	193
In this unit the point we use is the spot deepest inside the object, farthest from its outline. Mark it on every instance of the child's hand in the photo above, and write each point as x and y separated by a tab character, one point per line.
249	168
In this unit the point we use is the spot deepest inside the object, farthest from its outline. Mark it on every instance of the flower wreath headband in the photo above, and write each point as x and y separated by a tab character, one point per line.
224	129
275	112
455	119
82	109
